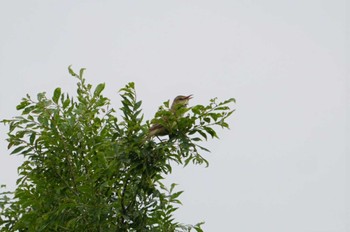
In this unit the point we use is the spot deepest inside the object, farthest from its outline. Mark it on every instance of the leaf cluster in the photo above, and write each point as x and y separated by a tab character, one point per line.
87	169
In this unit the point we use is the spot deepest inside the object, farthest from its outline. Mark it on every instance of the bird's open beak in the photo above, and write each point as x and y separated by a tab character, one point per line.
189	97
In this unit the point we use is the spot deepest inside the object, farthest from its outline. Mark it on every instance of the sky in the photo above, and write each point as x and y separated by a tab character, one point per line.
283	165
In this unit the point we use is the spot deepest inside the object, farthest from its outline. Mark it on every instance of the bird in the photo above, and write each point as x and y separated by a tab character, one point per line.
158	129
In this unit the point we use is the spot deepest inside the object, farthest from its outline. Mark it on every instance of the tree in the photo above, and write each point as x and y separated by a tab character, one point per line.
86	169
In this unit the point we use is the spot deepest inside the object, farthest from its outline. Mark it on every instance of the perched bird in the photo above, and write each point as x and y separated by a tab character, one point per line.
158	129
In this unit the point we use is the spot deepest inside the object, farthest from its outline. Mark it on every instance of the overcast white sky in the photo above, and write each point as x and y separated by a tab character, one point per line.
284	164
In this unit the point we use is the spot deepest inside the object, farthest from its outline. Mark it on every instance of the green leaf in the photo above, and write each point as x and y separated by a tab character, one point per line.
131	85
213	100
197	109
204	135
22	105
9	145
214	116
210	131
28	110
66	103
166	104
18	149
198	228
56	95
230	100
81	72
172	186
207	120
41	96
224	125
137	105
175	195
71	72
99	89
32	138
222	108
229	113
187	161
203	148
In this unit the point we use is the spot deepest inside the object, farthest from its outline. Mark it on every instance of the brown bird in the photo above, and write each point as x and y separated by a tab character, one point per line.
158	129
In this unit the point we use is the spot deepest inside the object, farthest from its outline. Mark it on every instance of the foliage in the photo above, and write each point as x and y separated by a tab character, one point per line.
85	169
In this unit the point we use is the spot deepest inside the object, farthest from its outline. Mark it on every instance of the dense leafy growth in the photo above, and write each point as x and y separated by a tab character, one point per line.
85	169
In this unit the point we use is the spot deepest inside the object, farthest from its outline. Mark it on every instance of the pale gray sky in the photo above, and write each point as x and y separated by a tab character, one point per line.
284	164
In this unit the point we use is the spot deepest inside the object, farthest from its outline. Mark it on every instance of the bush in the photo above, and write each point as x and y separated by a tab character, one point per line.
85	169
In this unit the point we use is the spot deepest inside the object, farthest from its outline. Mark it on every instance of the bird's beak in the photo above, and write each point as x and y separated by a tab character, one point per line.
189	97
